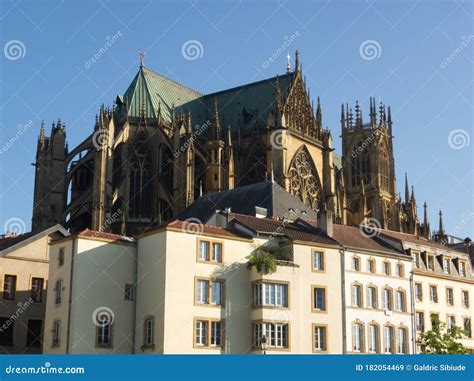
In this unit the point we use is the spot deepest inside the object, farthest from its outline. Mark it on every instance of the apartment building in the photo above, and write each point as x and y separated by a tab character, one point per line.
90	305
24	277
443	284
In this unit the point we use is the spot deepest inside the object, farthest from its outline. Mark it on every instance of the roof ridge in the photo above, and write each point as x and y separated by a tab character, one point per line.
143	68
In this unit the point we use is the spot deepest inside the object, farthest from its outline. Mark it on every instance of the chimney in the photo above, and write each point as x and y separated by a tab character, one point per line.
261	212
325	220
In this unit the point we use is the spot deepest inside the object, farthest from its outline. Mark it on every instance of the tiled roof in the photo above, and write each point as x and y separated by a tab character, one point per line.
243	200
191	227
353	237
153	91
102	235
7	242
413	239
287	228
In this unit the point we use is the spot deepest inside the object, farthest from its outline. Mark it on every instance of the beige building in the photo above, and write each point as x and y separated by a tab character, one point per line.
377	299
24	276
91	301
443	284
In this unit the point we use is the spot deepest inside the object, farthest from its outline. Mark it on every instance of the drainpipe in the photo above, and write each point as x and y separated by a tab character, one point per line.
69	304
343	299
413	321
135	293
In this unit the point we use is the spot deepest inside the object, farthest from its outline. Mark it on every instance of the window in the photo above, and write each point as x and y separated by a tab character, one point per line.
56	333
402	340
33	336
431	264
318	261
6	335
319	299
400	300
371	266
356	295
388	339
61	256
387	299
357	337
355	264
209	292
37	289
149	339
386	268
59	292
420	321
467	327
129	292
276	335
373	338
319	338
447	265
202	328
204	251
451	321
465	298
209	251
9	287
434	321
400	270
450	296
418	292
434	294
371	297
104	332
216	252
462	268
416	259
270	294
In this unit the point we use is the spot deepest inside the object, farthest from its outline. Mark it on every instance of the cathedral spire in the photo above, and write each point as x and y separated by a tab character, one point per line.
373	113
441	225
407	192
358	115
319	116
413	193
425	215
41	137
288	65
297	61
216	125
343	124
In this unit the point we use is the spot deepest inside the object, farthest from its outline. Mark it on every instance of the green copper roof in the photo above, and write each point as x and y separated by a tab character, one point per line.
150	90
250	102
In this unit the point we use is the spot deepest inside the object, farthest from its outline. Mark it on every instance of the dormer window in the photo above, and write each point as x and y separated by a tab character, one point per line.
447	265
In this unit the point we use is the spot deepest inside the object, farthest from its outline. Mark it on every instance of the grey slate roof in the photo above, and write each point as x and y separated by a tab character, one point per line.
243	200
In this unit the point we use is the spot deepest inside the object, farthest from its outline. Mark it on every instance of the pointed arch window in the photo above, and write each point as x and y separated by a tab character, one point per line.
140	182
304	179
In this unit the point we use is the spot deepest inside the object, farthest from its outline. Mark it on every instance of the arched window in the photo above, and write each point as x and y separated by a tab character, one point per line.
357	337
402	340
141	183
388	335
374	338
384	171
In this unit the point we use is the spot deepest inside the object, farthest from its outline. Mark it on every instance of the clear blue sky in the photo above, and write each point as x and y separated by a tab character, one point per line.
429	98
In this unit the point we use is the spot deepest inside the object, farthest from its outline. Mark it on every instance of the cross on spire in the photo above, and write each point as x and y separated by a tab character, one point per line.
142	58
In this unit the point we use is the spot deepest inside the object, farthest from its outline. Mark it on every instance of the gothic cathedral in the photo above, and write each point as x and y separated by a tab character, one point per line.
162	145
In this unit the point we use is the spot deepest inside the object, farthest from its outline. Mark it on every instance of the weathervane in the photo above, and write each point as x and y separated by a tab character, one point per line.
142	58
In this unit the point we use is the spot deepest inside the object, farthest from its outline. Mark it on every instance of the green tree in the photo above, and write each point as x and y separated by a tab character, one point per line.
441	340
264	262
